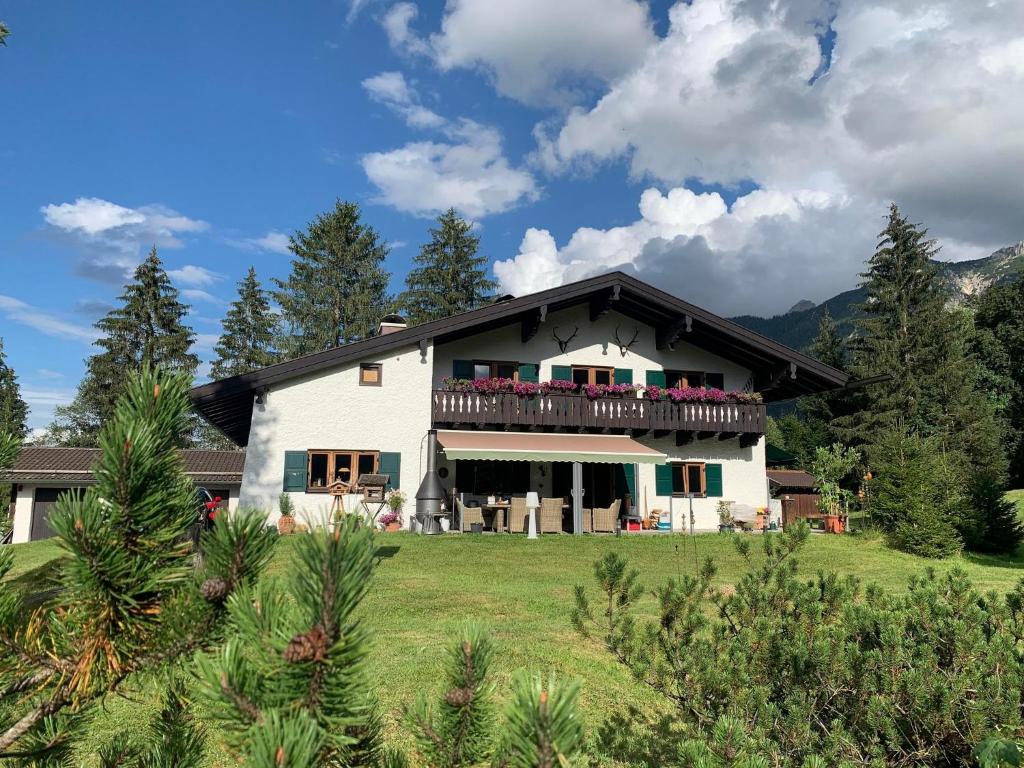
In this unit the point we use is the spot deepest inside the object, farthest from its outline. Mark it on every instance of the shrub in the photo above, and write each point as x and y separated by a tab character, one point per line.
789	672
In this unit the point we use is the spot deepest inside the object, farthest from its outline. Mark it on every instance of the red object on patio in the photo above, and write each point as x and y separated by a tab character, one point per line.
834	524
632	525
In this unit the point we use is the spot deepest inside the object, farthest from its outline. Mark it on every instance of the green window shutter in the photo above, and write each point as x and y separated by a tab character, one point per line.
391	464
713	479
714	380
294	470
663	479
656	378
623	375
529	372
625	481
561	373
462	369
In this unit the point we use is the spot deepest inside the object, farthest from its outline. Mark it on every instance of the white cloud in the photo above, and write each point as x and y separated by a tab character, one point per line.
469	173
112	237
196	294
273	241
195	276
17	311
536	51
397	23
42	403
751	258
392	90
916	107
49	375
206	341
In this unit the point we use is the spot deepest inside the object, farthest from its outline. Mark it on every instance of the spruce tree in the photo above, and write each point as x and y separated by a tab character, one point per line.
449	276
147	329
13	410
250	328
337	290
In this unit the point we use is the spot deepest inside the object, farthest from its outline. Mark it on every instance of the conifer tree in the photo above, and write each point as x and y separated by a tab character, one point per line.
13	410
147	329
250	328
337	290
449	276
132	598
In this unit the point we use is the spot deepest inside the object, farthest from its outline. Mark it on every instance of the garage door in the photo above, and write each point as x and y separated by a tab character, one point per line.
44	501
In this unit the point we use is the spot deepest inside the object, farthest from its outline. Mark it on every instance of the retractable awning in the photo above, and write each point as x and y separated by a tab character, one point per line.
528	446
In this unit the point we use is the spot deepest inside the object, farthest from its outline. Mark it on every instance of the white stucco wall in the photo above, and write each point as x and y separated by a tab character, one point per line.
594	344
331	411
743	479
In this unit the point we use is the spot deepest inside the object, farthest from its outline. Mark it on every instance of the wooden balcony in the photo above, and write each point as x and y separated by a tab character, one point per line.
578	413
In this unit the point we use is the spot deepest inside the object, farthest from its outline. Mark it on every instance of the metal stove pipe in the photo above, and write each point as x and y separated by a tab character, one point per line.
431	492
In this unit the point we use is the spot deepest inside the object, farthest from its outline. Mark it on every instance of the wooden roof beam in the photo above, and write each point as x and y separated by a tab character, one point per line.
772	378
602	303
531	322
666	338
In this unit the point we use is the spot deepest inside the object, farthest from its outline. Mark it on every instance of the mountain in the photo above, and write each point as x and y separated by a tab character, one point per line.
962	279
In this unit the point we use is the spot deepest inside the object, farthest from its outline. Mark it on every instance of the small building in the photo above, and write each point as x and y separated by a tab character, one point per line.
41	475
797	491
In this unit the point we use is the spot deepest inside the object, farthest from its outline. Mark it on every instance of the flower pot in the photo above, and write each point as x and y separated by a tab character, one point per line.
392	527
476	527
285	525
446	524
726	528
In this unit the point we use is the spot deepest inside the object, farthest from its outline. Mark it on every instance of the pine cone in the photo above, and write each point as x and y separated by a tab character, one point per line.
459	697
307	646
214	589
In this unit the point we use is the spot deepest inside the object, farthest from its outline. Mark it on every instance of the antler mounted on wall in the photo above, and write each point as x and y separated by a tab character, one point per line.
563	343
625	345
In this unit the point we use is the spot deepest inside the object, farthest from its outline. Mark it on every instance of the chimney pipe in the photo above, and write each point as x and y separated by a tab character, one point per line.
390	324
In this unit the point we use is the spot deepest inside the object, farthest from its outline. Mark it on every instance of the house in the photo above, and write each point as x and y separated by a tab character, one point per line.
374	406
40	475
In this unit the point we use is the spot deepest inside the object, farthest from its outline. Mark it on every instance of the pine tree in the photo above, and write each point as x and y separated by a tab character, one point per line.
449	277
132	597
13	410
999	529
250	328
914	494
147	329
337	290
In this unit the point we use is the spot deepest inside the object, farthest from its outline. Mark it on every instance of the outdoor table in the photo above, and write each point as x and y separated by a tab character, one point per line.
494	508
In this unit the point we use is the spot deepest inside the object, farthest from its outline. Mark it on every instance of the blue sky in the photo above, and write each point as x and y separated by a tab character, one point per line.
699	145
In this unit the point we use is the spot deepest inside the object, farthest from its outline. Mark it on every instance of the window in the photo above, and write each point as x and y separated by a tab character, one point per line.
688	478
326	467
489	369
694	379
370	374
591	375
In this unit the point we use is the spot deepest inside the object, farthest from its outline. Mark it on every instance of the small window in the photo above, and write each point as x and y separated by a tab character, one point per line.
583	375
370	374
492	369
688	478
328	467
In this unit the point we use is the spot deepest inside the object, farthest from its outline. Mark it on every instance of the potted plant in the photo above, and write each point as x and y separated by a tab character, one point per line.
286	522
390	521
725	522
396	500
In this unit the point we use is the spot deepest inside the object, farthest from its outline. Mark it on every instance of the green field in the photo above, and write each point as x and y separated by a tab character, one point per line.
425	588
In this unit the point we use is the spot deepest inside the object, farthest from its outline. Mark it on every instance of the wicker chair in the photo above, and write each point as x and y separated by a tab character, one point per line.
550	516
518	515
605	519
468	515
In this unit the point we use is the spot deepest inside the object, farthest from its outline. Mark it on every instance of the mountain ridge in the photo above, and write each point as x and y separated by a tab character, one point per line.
963	280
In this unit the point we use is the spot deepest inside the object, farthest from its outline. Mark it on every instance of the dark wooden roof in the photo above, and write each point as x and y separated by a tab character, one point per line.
74	465
792	478
780	372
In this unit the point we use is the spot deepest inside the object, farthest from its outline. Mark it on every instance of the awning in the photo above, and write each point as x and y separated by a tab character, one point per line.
529	446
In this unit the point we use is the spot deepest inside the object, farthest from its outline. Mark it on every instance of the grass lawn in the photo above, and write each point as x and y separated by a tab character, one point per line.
425	588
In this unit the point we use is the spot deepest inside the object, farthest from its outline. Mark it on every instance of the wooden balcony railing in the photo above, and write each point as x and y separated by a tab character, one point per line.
578	411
